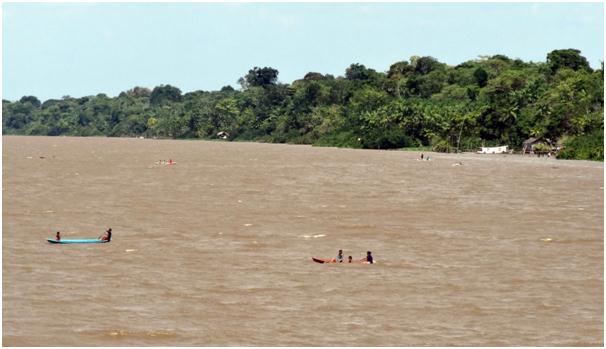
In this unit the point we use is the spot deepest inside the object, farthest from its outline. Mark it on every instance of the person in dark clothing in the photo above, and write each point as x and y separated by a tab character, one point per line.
108	235
369	258
58	237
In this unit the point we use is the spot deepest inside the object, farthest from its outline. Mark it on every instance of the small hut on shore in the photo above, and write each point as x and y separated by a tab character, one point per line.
529	144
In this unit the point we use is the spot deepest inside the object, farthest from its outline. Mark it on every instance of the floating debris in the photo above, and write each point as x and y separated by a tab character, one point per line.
165	162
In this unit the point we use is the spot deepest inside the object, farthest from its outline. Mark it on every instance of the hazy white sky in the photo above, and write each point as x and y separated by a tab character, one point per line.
77	49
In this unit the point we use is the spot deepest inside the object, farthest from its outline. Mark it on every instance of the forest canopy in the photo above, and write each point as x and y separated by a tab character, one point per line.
419	102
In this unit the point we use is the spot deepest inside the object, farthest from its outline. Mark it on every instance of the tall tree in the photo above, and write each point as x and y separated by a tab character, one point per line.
164	94
31	99
260	77
357	71
568	58
481	76
427	64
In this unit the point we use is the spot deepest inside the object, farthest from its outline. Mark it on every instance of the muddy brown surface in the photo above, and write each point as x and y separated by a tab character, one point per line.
216	249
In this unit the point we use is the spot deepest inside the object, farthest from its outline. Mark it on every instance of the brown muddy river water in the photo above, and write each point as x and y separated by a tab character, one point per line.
216	249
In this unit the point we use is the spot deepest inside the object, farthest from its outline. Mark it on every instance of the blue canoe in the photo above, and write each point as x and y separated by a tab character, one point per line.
76	241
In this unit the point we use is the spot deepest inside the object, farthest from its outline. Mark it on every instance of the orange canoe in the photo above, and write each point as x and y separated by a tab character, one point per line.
333	260
324	260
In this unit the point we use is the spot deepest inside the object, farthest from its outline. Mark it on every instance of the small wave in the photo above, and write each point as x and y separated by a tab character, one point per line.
306	237
579	241
359	322
150	333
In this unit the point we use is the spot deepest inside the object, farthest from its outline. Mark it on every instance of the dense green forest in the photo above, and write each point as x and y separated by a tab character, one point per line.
421	102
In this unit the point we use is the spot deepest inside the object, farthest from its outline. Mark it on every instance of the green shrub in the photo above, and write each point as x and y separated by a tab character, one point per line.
386	139
542	147
340	139
441	146
584	147
471	143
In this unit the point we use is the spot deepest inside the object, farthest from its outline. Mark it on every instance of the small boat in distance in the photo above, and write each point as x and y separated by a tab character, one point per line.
333	260
77	241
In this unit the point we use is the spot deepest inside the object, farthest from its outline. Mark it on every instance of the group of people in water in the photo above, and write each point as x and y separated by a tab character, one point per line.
368	258
107	236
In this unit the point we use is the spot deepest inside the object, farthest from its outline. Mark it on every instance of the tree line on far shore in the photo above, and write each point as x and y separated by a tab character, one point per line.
417	103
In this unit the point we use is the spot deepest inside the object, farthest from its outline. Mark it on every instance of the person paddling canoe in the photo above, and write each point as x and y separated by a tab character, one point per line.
107	236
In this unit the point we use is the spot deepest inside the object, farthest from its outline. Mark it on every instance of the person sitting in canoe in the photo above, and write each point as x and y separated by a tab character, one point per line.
58	237
339	258
350	258
107	236
368	258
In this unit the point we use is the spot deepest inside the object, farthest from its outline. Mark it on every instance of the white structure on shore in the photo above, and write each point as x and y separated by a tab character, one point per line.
493	150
